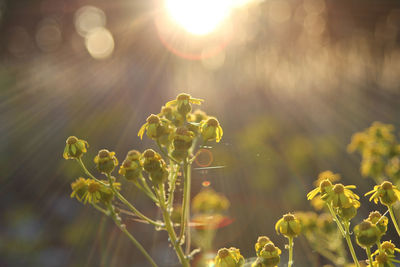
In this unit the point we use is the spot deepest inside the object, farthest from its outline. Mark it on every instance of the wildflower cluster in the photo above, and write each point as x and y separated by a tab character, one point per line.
379	150
177	131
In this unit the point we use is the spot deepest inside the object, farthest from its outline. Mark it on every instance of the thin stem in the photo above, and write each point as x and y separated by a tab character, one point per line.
348	239
170	229
147	187
185	201
80	162
336	219
290	262
122	227
368	249
166	153
188	174
130	206
379	245
172	186
390	208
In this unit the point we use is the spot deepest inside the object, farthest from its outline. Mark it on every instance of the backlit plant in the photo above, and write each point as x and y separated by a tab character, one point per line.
178	133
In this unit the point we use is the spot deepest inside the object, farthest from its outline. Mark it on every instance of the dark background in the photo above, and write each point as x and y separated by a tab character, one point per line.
290	86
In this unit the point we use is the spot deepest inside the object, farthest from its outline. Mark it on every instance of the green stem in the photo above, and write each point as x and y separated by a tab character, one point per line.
80	162
290	262
336	219
368	249
165	154
172	186
170	229
122	227
185	206
394	219
348	239
379	245
130	206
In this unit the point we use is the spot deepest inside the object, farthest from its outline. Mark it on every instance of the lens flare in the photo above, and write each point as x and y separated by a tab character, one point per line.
198	17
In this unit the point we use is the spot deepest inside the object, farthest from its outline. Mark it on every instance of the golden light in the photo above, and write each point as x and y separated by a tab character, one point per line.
99	43
198	17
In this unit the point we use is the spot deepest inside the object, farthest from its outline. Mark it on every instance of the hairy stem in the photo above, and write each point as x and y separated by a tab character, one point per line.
290	262
348	239
172	186
170	229
130	206
336	219
185	230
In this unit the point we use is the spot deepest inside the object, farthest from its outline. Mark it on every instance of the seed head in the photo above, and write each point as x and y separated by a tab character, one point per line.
153	119
72	140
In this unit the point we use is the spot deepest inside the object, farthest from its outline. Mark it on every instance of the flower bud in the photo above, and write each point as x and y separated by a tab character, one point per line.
388	195
367	234
106	161
131	170
228	258
182	141
288	226
211	130
133	155
261	242
156	129
270	255
350	212
155	166
74	148
380	221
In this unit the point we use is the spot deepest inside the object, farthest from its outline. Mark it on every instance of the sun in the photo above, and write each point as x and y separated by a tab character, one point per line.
198	17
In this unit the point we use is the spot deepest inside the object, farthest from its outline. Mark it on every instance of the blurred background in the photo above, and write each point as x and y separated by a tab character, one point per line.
289	80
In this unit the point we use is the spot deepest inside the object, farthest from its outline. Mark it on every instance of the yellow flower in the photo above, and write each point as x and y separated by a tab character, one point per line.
269	255
261	242
182	103
155	166
91	191
79	188
288	226
342	197
211	130
332	177
389	248
386	192
75	148
131	170
106	161
157	129
228	258
380	221
325	187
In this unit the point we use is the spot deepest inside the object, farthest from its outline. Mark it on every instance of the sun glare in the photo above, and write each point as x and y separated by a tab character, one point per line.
198	17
